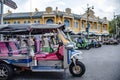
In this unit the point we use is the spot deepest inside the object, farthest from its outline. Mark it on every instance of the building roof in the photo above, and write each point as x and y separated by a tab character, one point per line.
76	16
38	14
23	15
17	15
35	15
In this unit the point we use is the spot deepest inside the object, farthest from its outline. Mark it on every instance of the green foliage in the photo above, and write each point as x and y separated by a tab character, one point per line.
112	25
118	21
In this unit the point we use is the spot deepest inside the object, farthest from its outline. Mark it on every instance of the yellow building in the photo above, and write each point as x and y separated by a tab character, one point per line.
77	23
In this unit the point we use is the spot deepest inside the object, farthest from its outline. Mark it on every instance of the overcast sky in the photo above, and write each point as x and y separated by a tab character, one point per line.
102	8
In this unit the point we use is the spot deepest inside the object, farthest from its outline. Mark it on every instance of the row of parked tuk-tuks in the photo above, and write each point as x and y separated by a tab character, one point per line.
81	42
111	41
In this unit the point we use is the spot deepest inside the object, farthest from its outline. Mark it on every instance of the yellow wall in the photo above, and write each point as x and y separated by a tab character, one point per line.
57	19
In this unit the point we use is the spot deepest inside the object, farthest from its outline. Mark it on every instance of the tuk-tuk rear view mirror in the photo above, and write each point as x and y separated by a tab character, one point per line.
60	43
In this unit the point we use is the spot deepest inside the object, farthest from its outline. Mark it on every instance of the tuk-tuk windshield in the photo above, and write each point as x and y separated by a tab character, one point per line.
63	37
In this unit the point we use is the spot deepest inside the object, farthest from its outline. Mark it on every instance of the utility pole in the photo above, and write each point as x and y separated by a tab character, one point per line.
1	11
87	29
115	24
1	16
9	3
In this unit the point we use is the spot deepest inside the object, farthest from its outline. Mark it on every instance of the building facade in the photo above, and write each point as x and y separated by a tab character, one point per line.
77	23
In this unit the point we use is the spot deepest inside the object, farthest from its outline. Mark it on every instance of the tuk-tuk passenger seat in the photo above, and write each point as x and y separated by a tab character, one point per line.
38	51
3	49
57	55
15	49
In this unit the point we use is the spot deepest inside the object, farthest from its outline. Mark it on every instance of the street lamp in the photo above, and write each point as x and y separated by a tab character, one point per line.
9	3
1	12
88	24
115	23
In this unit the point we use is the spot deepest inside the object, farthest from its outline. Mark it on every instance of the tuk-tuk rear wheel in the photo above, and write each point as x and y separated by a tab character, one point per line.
78	70
6	72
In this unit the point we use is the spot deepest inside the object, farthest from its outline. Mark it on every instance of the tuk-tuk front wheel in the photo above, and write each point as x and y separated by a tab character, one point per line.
6	72
77	70
87	47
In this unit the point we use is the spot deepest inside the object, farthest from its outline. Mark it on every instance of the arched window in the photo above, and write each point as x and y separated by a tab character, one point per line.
16	22
76	24
104	27
37	21
82	24
27	22
98	26
67	23
6	22
49	21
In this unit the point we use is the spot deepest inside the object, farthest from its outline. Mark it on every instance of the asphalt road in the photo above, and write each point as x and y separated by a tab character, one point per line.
101	64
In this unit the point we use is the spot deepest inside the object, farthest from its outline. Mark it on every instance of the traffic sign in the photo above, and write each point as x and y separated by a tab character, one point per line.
10	3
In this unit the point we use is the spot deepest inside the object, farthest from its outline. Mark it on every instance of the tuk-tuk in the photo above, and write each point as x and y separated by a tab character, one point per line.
14	58
83	45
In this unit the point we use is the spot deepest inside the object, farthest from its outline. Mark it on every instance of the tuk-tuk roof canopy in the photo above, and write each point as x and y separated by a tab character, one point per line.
29	28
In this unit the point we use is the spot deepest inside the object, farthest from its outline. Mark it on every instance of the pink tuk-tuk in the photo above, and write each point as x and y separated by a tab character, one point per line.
15	58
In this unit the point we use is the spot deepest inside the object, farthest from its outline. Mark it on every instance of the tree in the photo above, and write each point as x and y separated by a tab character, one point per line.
118	21
112	25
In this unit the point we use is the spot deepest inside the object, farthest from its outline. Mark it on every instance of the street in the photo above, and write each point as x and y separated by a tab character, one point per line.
101	64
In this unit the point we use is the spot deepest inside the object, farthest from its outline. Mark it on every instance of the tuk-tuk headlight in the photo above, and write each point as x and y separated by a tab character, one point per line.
69	46
77	55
